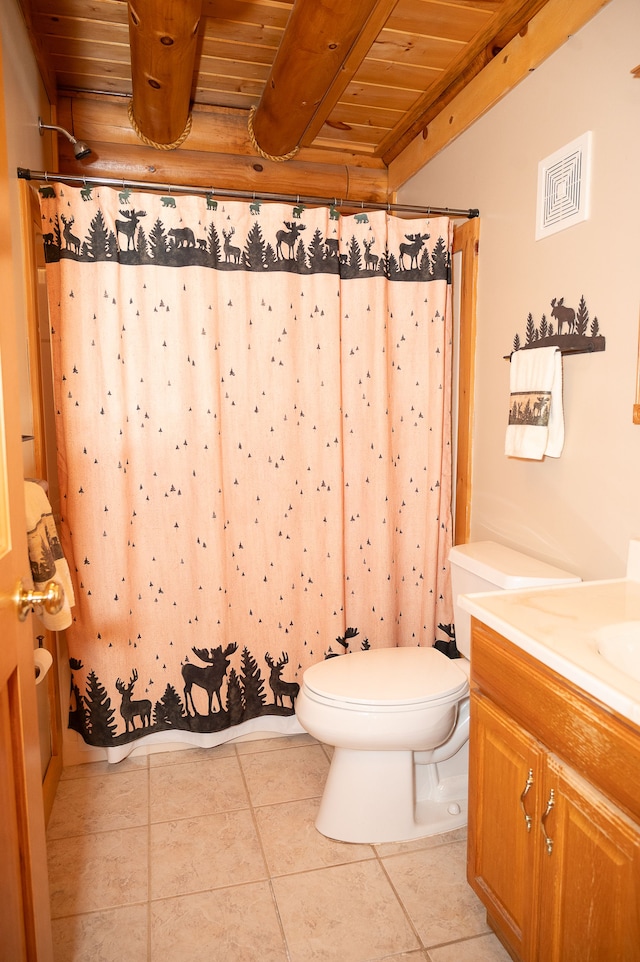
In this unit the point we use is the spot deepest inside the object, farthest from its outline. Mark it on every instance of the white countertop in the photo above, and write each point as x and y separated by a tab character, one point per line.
557	626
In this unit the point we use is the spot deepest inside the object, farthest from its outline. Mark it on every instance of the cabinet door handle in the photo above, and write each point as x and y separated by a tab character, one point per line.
543	826
525	791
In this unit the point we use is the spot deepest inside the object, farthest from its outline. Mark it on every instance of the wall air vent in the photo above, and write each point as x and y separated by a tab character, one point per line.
563	187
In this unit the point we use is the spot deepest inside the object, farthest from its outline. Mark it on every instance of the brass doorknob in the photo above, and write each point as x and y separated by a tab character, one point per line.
51	599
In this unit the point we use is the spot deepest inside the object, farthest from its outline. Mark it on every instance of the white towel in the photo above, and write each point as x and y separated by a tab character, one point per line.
45	554
536	420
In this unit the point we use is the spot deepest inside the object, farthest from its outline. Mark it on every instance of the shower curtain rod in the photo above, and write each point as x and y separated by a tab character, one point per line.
26	174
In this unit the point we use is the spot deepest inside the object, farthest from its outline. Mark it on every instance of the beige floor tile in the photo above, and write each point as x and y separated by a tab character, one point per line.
417	844
420	955
285	775
101	803
485	948
198	854
238	924
182	756
108	936
432	886
292	843
201	787
253	745
101	871
132	762
347	913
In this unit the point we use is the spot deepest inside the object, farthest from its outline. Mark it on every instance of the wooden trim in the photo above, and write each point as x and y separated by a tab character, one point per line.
636	406
33	260
29	217
547	31
42	56
466	241
511	17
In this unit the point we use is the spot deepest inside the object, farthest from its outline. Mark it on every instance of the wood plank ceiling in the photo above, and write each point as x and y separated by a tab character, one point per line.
336	83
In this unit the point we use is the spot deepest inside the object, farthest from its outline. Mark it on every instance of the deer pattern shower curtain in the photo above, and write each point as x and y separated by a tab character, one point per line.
253	426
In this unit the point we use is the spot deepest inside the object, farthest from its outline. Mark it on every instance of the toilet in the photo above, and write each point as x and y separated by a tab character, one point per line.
398	718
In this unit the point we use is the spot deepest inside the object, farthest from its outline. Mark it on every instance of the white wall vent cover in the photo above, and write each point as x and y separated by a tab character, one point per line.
563	187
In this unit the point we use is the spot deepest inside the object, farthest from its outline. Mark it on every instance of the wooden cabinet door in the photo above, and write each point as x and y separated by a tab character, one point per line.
505	791
25	930
589	875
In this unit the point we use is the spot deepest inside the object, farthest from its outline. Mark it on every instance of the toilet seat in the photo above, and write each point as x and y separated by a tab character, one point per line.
386	679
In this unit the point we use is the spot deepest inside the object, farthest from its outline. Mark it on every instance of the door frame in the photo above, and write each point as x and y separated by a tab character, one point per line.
466	241
37	321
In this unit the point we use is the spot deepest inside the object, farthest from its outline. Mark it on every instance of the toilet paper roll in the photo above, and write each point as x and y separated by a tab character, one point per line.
43	660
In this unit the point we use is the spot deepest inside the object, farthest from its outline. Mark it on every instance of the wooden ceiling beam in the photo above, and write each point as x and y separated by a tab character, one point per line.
319	53
218	172
103	119
163	36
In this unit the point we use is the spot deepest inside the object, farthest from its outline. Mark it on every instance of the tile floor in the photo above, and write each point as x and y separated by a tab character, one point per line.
212	856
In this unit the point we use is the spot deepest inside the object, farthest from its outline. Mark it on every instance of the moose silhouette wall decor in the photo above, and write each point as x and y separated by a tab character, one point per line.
575	332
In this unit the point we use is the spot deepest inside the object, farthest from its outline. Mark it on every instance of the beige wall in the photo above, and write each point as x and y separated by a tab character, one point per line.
580	510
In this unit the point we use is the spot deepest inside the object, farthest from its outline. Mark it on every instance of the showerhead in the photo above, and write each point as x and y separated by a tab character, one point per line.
80	149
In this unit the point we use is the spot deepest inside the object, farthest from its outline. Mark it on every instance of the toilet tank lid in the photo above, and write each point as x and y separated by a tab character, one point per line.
506	568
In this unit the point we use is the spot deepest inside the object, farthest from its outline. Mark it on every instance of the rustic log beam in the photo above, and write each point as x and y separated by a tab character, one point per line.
163	36
316	48
217	155
227	171
103	119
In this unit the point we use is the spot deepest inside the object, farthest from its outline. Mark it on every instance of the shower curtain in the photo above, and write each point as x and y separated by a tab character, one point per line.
254	453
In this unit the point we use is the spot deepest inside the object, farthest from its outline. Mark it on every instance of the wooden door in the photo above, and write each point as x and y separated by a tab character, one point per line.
505	788
590	875
25	931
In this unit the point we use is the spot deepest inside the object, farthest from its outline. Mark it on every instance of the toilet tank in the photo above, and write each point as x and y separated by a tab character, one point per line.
489	566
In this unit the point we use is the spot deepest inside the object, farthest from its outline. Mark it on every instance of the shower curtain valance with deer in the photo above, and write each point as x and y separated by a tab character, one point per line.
253	429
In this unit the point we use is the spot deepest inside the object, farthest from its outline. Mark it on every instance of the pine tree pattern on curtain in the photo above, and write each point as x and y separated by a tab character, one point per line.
254	455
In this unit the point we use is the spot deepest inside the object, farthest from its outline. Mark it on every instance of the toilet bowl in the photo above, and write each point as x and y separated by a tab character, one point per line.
398	718
387	712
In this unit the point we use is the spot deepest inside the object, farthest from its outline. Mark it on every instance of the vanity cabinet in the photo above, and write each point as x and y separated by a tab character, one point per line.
554	829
